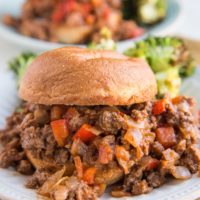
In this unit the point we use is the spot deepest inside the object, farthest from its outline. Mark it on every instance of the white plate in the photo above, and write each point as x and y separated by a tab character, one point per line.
12	185
13	7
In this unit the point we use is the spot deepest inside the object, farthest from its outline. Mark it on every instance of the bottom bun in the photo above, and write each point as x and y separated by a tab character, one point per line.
49	164
42	164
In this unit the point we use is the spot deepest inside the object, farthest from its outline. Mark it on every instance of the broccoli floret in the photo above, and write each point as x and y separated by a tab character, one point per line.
19	64
164	54
168	82
151	11
146	12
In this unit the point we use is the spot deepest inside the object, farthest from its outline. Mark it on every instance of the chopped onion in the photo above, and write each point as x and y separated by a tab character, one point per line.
131	123
134	137
59	193
51	182
180	172
170	155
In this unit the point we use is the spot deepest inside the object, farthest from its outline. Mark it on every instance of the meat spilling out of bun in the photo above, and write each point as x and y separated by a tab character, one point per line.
76	76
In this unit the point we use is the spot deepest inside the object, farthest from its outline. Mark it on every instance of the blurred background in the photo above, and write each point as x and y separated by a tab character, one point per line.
57	23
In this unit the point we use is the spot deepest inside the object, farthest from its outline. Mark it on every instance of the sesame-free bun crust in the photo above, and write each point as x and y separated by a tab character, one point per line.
76	76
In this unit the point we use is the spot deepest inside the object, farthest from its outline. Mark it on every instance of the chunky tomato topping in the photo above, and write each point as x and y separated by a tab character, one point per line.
60	131
159	107
62	9
153	163
89	175
86	133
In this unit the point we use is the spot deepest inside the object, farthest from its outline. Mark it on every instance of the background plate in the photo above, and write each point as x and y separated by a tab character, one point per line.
12	184
171	22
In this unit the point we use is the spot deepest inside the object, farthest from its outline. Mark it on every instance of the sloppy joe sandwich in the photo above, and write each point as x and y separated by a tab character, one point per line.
90	120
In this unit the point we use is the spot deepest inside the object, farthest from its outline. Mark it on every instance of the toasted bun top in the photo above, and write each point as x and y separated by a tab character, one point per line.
76	76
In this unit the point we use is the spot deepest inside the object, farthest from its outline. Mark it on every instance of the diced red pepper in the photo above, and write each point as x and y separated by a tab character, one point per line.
166	136
79	166
89	175
106	13
159	107
85	133
86	9
153	164
62	9
60	131
90	19
105	154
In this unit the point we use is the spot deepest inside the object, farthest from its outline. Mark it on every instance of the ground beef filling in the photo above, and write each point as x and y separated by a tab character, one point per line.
137	146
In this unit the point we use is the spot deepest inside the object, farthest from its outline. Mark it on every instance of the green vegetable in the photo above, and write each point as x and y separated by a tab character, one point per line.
19	64
146	12
165	55
105	41
151	11
168	82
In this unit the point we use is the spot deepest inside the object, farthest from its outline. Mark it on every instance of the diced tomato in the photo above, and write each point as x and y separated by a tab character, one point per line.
159	107
60	131
90	19
62	9
86	9
166	136
89	175
152	164
79	166
105	154
86	133
106	13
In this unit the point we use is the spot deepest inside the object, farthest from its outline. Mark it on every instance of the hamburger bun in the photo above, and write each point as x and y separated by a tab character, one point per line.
76	76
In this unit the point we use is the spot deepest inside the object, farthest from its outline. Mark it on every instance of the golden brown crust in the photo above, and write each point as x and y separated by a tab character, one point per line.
76	76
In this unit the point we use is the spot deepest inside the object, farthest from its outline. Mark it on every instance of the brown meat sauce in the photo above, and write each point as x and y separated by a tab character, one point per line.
73	21
130	148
